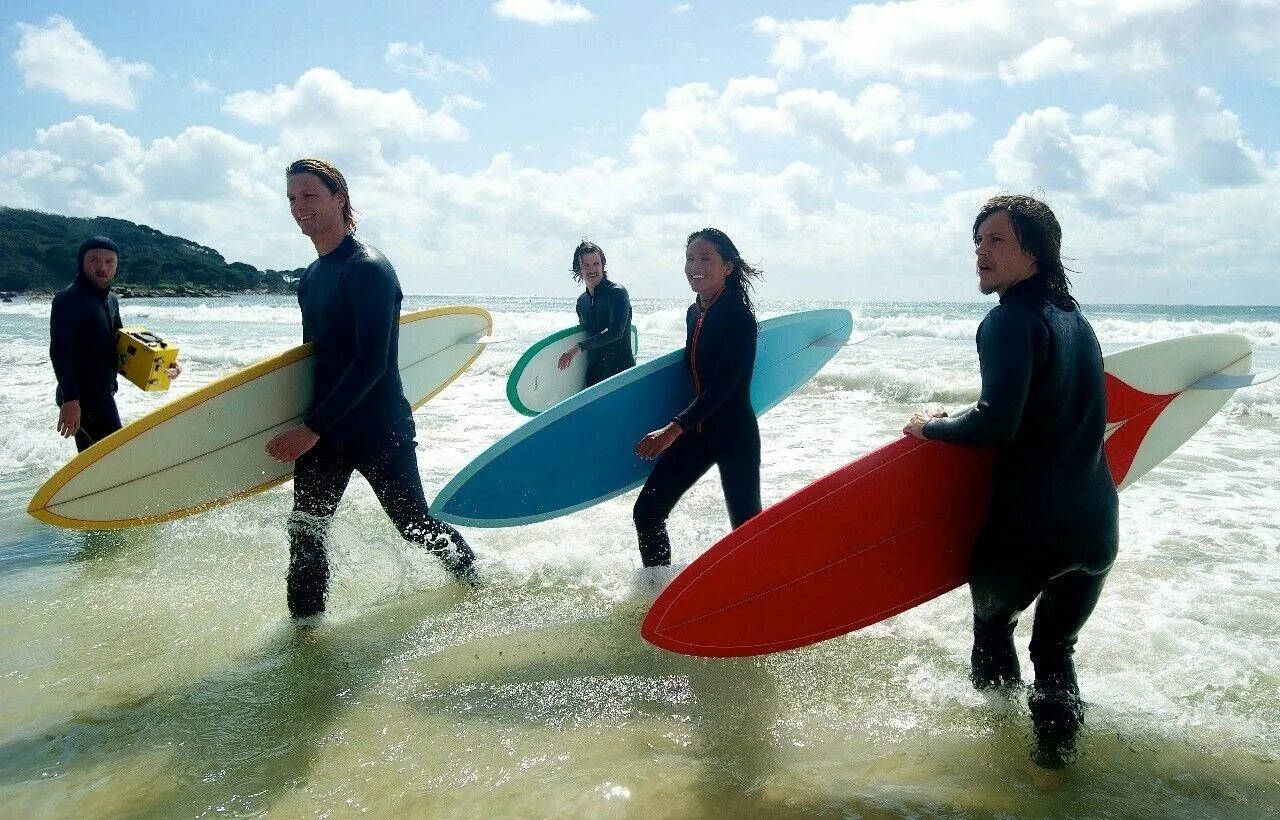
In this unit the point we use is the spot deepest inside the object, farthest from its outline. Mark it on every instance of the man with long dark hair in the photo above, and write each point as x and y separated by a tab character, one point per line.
1051	531
604	312
359	419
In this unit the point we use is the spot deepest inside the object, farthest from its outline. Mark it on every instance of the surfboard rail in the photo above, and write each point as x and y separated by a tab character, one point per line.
895	528
43	504
521	403
507	484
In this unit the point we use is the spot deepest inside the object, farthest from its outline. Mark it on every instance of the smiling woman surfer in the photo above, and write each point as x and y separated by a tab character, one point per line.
719	427
359	419
1051	529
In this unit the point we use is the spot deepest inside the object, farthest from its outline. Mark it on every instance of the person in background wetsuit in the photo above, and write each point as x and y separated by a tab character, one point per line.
359	419
1052	525
82	345
604	311
719	426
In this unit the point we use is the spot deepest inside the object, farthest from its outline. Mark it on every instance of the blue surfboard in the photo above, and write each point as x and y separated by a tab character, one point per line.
582	451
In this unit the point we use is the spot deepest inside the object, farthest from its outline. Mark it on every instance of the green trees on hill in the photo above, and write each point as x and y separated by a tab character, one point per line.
38	254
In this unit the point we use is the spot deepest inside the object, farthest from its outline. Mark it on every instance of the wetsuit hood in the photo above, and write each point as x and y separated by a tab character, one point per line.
94	243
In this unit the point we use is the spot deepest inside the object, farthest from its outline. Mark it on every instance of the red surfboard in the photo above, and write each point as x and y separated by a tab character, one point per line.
895	528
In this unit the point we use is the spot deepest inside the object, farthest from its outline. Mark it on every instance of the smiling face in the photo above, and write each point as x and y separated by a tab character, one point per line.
705	269
318	211
591	269
1001	262
100	266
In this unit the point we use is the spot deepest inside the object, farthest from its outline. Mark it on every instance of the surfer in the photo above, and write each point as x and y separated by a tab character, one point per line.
719	426
82	345
1051	530
359	419
604	312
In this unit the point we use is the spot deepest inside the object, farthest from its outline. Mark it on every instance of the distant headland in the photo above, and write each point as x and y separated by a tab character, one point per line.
38	258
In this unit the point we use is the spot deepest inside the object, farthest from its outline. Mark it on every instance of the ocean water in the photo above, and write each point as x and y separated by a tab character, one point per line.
154	672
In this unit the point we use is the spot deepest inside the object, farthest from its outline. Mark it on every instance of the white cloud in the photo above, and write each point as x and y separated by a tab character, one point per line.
1211	143
1056	55
967	40
542	12
874	132
1110	156
416	60
324	114
1046	150
90	141
202	86
57	57
682	8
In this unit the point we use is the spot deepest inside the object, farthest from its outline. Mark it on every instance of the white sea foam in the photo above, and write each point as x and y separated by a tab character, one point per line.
1181	649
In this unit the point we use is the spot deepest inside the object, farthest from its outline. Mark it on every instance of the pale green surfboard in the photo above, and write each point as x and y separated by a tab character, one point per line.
537	382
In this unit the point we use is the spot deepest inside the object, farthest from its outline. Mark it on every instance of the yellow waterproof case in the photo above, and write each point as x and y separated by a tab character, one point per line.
143	358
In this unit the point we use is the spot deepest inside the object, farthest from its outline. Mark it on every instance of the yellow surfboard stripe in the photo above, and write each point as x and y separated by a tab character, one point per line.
38	507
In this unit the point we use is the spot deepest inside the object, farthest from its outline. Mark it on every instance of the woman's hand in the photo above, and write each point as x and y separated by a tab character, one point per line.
652	445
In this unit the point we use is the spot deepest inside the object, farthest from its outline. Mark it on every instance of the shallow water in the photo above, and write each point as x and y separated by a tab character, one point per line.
154	673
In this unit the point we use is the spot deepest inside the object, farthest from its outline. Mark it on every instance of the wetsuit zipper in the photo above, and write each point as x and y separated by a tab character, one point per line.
693	350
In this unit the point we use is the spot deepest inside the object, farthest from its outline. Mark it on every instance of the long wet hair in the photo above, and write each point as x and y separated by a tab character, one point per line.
585	247
743	274
333	180
1038	234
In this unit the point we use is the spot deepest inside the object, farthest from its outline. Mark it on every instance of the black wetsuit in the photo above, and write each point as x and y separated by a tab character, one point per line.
719	426
606	317
1052	527
82	345
350	300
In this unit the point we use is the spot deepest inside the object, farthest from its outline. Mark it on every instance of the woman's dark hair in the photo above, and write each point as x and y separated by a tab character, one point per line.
1038	234
742	274
585	247
332	179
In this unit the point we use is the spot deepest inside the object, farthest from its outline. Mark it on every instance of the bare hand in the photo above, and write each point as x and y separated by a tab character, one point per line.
915	427
174	370
292	443
566	358
69	418
652	445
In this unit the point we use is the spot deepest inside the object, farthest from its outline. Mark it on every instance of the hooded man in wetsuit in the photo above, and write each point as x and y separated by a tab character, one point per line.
604	312
359	419
1052	524
82	345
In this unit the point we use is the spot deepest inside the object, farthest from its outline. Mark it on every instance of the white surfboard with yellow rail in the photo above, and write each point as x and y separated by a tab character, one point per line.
205	449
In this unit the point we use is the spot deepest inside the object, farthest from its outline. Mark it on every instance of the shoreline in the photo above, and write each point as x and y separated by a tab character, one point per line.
180	291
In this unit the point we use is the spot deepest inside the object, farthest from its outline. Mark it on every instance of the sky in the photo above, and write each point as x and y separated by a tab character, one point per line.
844	147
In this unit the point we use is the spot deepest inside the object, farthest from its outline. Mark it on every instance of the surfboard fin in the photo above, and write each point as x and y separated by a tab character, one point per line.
1223	381
490	340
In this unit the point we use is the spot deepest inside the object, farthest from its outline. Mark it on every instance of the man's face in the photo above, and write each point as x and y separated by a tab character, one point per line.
100	266
1001	262
314	208
591	269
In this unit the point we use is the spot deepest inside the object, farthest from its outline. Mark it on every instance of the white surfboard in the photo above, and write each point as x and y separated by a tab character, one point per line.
1172	369
206	448
537	383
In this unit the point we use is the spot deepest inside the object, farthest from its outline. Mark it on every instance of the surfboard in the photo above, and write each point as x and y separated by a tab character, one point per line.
896	527
537	383
582	451
206	448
